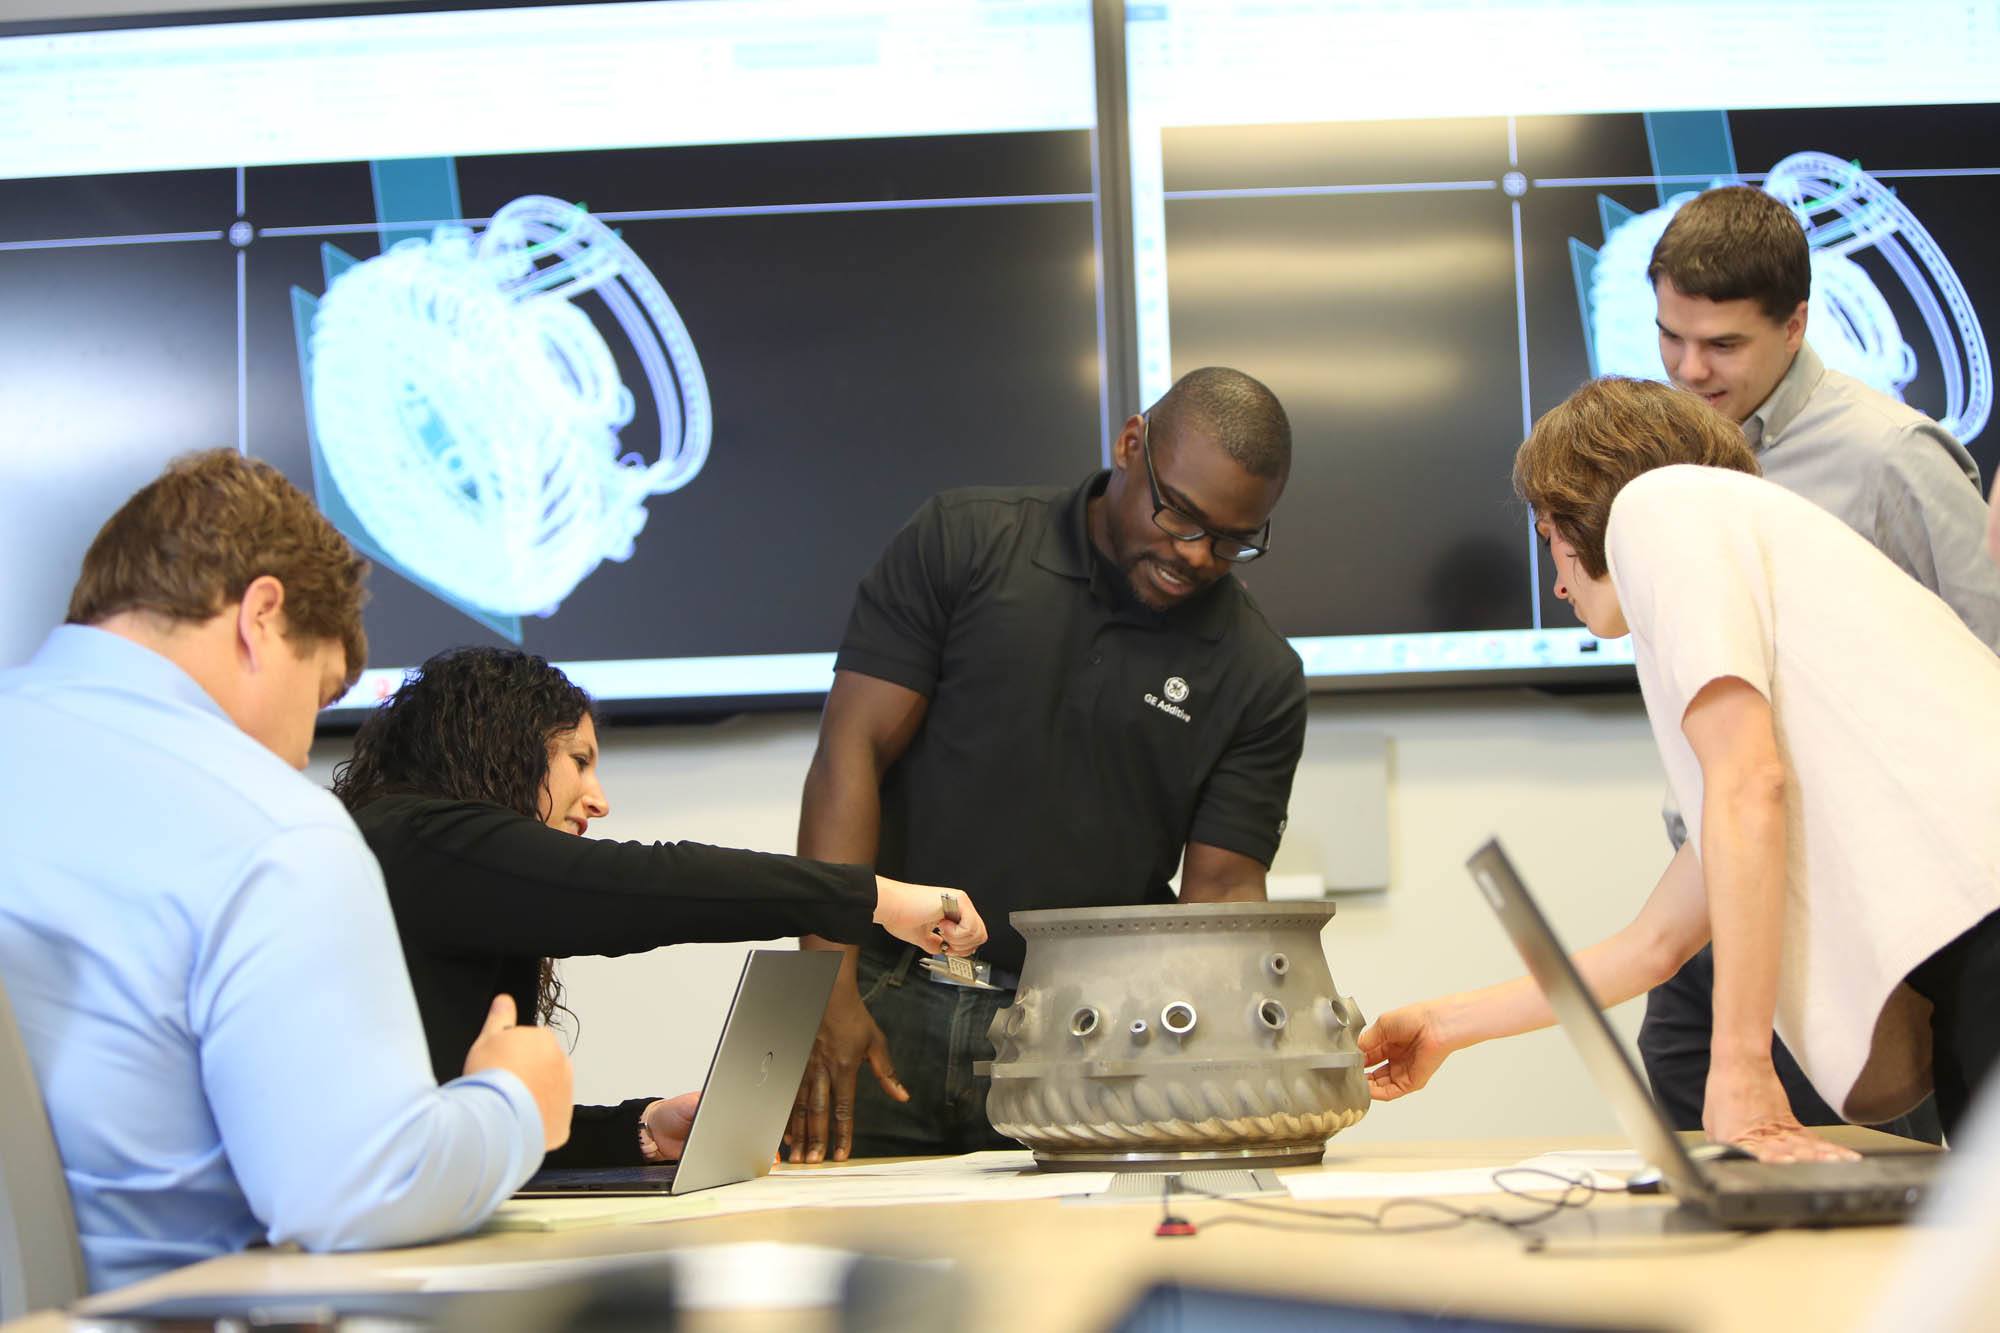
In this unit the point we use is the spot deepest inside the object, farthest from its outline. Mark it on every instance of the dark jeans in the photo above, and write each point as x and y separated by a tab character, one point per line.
1674	1044
935	1032
1962	982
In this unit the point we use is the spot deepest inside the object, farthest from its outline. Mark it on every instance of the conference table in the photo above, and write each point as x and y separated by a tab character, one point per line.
1619	1261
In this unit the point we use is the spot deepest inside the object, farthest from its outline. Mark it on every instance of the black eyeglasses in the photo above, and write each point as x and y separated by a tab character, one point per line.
1183	528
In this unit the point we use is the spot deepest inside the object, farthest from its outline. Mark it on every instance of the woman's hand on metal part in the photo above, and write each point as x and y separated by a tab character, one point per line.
1401	1050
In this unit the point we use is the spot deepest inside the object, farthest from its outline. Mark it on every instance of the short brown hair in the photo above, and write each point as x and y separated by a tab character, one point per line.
1736	243
1585	449
190	542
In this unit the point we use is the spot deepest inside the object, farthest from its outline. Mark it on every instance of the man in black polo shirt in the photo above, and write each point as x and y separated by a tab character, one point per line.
1048	697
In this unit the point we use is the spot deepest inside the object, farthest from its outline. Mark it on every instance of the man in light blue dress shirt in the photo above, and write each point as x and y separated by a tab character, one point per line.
196	940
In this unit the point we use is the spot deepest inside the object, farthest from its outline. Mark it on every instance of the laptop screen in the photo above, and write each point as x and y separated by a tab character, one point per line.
1576	1010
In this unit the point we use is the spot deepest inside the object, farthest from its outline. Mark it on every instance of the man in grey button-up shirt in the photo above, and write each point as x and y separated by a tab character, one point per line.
1731	275
1890	473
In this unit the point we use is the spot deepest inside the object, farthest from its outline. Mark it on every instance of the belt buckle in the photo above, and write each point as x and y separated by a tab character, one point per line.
948	971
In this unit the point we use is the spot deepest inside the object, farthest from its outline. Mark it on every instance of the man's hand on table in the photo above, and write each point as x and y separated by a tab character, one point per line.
822	1125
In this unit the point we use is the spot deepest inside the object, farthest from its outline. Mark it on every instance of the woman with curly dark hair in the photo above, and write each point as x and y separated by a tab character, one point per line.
473	784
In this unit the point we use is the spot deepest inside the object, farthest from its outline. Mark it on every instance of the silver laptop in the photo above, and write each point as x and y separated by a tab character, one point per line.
1724	1182
747	1097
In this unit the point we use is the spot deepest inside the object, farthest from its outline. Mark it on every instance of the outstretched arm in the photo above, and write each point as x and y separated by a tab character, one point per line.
471	878
1405	1046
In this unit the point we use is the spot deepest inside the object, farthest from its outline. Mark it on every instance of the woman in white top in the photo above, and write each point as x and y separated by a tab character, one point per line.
1827	724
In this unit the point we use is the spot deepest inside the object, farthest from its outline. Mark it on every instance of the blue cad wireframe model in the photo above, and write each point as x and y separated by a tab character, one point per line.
1845	212
470	411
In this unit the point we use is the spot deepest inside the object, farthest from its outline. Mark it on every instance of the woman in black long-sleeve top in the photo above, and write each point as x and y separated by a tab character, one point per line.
471	784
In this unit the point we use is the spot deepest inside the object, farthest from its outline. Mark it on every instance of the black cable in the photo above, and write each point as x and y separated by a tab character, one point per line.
1377	1221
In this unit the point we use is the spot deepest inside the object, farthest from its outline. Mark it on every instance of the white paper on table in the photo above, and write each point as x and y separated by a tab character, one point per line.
1623	1161
706	1277
1594	1167
992	1162
859	1188
991	1177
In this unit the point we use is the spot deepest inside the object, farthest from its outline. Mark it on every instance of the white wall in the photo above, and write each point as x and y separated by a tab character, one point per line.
1572	785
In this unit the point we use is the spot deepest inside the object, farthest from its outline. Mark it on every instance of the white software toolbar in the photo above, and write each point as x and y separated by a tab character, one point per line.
536	80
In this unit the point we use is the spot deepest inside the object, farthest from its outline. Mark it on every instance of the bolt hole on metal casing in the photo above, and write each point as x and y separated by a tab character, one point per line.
1277	965
1178	1018
1271	1015
1083	1022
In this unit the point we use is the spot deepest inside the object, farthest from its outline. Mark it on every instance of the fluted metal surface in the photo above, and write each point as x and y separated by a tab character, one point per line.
1185	1030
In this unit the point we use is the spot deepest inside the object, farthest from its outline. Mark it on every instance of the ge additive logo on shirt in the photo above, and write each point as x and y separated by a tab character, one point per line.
1176	692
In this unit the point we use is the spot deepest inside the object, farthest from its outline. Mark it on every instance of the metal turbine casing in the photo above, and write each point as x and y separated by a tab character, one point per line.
1144	1037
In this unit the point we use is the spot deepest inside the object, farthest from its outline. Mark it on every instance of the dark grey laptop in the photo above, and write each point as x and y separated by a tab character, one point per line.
1724	1183
747	1097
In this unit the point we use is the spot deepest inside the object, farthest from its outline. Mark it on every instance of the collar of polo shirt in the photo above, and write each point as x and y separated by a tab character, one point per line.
1065	549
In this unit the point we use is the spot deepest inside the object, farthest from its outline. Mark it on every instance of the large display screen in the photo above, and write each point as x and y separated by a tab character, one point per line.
1423	225
627	333
630	332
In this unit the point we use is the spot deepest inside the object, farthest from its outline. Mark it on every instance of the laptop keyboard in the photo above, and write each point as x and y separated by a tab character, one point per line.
603	1179
1868	1173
